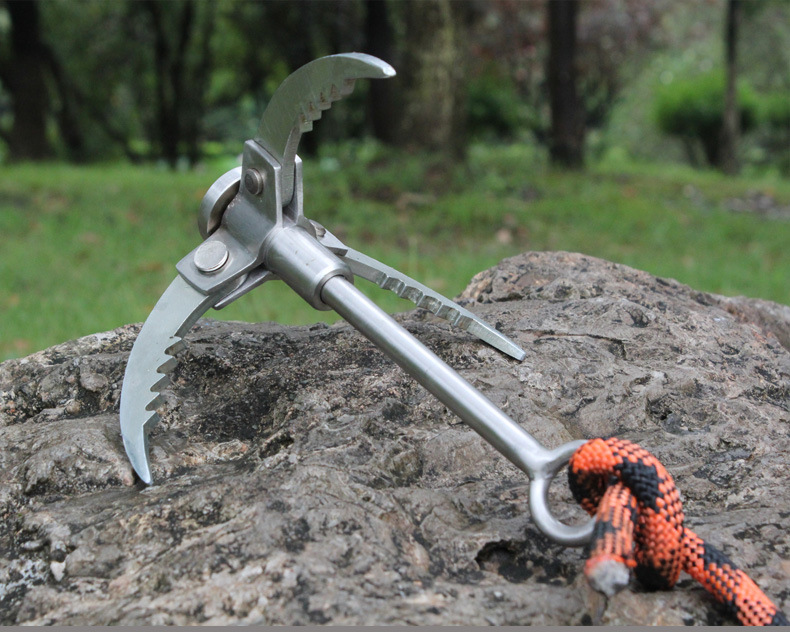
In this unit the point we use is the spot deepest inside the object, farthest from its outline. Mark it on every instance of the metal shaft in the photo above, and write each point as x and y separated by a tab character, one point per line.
428	369
504	434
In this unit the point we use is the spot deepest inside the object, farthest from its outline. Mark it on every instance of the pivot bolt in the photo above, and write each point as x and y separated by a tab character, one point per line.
253	181
211	256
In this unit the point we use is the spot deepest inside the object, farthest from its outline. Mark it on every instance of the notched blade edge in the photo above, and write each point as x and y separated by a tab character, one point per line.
307	92
391	279
150	361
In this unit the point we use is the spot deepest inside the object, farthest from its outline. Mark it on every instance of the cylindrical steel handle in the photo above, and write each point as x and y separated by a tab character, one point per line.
510	439
304	264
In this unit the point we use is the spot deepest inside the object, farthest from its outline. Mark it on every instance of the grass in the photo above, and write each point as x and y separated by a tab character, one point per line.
86	249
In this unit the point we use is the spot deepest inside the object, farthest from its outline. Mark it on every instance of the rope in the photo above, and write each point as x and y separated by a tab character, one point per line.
639	526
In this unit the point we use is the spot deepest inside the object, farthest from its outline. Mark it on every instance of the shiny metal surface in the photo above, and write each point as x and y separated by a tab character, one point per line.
216	201
302	98
211	256
391	279
151	359
504	434
258	232
304	264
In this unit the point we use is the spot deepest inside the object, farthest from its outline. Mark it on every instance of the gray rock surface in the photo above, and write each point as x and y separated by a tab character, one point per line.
302	478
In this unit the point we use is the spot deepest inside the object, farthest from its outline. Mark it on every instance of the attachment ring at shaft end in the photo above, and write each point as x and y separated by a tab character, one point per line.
569	535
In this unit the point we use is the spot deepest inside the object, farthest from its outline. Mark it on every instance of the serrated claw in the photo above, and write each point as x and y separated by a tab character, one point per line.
302	99
150	362
422	296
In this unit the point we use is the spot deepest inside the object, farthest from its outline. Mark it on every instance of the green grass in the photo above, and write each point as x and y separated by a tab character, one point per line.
86	249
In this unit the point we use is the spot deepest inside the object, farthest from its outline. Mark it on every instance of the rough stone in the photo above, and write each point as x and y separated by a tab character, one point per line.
302	478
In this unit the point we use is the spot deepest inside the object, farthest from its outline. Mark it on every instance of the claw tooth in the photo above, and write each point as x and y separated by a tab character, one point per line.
305	125
152	420
431	304
324	100
167	366
348	87
160	384
394	285
412	294
177	347
155	403
168	363
453	316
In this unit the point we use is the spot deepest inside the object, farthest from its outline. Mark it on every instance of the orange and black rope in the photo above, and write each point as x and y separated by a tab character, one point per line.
639	526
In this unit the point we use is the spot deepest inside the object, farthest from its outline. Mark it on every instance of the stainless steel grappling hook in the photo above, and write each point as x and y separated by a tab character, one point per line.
255	231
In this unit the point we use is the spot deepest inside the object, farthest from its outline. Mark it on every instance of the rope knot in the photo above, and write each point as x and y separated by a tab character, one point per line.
639	525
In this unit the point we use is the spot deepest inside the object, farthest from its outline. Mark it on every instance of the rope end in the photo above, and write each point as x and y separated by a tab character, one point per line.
607	575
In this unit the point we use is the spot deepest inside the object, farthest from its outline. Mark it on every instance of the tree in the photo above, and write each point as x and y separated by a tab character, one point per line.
508	74
730	129
90	41
40	90
181	70
433	115
383	103
23	71
693	110
566	145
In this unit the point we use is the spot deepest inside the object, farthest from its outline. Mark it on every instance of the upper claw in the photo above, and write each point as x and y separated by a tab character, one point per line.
302	98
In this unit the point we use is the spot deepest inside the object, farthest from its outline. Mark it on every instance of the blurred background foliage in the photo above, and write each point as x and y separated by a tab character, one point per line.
179	80
650	132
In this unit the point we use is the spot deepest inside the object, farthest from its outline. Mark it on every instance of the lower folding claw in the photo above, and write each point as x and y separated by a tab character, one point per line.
151	360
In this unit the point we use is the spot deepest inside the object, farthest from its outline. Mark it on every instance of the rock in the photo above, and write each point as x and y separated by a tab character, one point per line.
768	316
301	478
58	570
759	203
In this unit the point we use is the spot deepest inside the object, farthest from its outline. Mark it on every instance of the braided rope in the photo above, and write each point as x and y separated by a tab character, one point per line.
639	526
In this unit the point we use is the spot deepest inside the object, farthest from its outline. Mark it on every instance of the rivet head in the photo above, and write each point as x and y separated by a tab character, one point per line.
253	181
211	256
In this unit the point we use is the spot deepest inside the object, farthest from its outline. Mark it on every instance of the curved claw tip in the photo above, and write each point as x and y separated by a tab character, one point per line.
138	455
388	71
145	477
377	68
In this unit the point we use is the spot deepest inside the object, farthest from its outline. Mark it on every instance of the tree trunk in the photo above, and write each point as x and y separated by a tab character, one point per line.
172	73
383	103
24	74
432	116
566	144
197	86
166	122
66	112
730	131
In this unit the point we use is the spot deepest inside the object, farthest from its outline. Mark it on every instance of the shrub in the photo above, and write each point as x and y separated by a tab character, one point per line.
494	107
693	109
774	116
775	110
